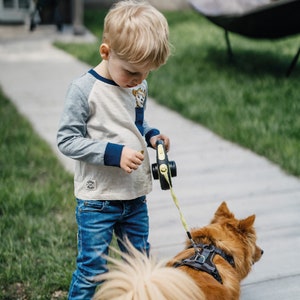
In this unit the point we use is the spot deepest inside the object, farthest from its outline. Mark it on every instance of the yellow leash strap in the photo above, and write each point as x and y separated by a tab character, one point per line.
176	202
164	172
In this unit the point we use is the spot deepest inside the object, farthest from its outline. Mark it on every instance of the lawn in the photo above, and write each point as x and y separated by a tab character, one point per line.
37	223
249	101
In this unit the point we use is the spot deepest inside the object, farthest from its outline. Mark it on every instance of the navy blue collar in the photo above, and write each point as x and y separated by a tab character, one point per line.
99	77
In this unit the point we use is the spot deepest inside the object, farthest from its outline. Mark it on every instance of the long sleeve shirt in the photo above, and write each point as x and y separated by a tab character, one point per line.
98	120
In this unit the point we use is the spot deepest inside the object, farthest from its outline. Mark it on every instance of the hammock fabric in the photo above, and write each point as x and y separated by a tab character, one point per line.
271	20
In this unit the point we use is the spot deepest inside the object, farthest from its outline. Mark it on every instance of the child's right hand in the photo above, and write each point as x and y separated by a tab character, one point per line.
130	159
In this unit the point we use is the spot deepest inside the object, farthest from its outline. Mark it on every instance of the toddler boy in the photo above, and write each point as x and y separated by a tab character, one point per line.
104	130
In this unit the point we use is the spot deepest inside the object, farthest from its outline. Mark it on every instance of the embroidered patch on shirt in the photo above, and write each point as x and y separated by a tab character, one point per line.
140	96
90	185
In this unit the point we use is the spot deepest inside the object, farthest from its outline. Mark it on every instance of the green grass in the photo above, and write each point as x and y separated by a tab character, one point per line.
249	101
37	224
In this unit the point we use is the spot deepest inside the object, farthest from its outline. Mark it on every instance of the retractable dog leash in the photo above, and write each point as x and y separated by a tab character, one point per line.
202	260
163	170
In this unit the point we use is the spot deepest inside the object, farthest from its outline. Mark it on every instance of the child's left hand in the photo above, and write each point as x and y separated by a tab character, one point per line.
163	137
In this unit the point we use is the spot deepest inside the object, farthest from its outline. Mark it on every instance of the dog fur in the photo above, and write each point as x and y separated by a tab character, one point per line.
138	277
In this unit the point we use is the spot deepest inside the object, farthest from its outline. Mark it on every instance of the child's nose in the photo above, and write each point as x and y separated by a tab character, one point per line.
138	79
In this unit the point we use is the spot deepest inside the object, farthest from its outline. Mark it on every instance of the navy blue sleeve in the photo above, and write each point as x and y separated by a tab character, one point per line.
112	155
152	132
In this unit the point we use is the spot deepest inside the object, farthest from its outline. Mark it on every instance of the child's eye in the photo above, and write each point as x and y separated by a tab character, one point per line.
132	73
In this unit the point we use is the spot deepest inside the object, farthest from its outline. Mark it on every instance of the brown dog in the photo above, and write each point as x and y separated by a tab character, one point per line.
212	269
227	250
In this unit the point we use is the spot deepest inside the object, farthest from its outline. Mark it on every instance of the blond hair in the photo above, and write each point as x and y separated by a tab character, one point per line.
137	33
138	277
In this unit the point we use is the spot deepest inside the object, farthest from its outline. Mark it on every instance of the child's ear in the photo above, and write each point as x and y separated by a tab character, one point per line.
104	50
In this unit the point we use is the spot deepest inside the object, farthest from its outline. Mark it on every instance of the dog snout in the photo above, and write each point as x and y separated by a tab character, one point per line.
257	254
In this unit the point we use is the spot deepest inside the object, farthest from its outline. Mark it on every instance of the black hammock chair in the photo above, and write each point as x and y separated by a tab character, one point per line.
273	20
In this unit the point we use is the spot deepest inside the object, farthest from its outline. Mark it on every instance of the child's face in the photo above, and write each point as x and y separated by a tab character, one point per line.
124	74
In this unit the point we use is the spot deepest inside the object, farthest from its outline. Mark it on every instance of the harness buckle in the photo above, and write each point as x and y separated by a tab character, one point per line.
201	259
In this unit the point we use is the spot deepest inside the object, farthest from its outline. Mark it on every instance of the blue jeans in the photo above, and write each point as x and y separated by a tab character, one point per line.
97	220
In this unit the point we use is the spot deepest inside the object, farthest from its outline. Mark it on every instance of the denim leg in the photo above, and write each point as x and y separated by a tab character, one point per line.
96	222
95	229
134	224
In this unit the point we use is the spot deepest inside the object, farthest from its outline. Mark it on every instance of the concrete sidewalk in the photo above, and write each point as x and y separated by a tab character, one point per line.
35	76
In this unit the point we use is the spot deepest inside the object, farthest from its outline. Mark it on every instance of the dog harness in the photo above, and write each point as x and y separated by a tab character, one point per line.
202	260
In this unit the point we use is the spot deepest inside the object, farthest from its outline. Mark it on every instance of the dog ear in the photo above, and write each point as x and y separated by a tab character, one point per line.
221	213
223	210
245	224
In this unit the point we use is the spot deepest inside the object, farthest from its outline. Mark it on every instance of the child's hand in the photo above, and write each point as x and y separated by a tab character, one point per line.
163	137
130	159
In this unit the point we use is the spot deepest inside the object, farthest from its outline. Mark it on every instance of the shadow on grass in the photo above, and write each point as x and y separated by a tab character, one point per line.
249	62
